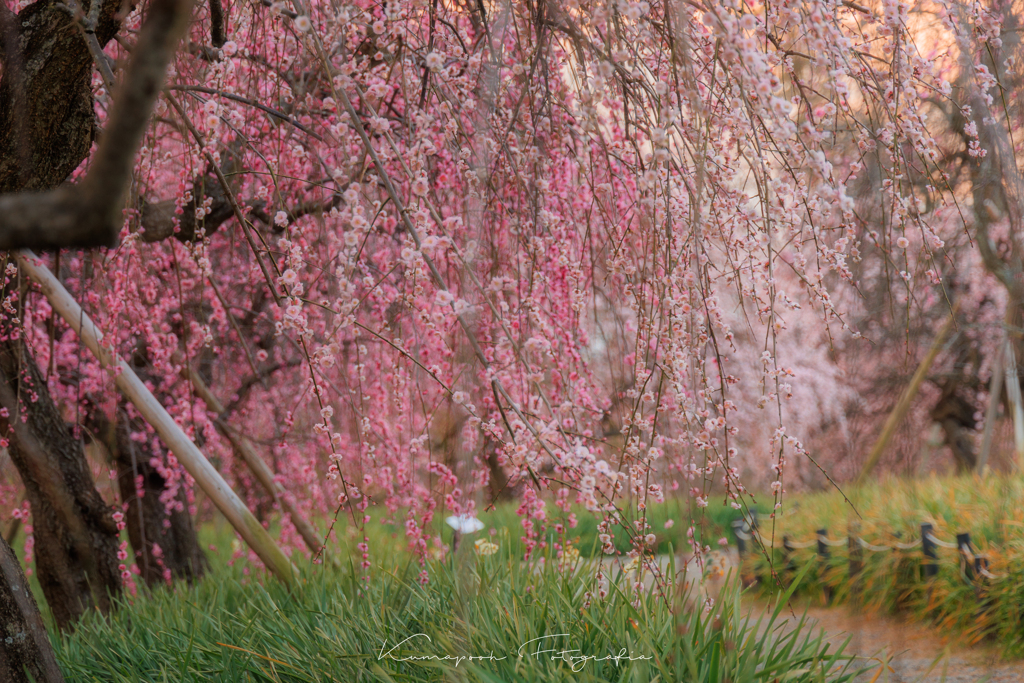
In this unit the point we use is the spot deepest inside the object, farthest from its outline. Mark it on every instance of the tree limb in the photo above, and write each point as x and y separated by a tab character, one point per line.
88	214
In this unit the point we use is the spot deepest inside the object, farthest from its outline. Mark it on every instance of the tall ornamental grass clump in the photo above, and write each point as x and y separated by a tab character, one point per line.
338	625
979	608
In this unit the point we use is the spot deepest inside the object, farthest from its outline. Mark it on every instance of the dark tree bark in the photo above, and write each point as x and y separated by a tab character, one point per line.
26	654
144	489
46	106
501	488
956	416
46	118
158	218
75	534
47	127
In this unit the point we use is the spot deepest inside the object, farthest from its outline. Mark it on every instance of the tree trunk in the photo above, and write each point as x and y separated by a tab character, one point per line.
501	490
46	105
75	535
160	527
956	415
26	654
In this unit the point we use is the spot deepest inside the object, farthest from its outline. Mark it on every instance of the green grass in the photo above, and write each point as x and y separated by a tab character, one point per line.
713	521
991	509
333	625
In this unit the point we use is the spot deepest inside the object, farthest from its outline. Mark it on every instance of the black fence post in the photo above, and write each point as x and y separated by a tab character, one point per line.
788	561
739	532
856	554
745	531
963	544
823	559
931	568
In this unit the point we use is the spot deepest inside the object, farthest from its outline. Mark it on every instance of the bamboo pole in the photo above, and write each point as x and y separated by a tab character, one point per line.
259	467
897	414
994	392
1013	393
135	391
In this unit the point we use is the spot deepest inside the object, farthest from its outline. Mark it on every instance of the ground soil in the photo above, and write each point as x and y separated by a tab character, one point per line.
914	652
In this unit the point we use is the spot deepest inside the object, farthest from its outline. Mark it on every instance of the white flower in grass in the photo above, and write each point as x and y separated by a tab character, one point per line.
464	524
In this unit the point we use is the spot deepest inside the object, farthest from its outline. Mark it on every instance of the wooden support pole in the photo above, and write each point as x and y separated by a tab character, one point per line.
1017	405
994	392
172	435
897	414
259	467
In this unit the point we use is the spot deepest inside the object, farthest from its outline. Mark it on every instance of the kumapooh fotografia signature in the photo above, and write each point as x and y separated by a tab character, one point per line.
535	647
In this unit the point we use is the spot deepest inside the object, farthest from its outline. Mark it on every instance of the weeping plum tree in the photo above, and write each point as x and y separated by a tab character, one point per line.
46	109
590	252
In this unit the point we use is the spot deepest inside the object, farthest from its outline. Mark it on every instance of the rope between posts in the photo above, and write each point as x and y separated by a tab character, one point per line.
943	544
989	575
874	548
964	549
827	541
981	568
907	546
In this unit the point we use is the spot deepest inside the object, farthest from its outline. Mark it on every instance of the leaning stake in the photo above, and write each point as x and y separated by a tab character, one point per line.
907	398
135	391
259	467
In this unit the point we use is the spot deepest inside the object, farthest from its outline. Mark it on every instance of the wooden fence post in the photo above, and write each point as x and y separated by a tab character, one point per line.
856	554
788	554
154	413
740	532
931	568
968	559
823	560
